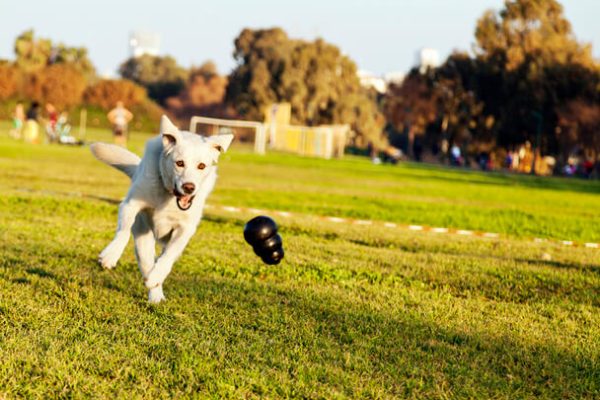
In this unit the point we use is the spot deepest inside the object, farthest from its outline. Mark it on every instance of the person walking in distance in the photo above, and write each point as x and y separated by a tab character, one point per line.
119	117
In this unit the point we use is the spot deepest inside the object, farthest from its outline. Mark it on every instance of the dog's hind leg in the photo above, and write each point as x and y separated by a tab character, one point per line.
127	213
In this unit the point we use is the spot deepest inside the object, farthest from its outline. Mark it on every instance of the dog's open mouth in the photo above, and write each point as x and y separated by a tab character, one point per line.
184	201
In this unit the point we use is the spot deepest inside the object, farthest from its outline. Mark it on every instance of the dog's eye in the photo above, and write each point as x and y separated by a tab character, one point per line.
201	166
180	163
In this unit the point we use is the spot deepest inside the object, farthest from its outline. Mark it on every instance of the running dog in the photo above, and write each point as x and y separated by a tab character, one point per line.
169	187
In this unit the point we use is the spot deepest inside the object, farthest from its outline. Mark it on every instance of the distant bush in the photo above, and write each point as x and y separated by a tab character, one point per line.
60	84
10	81
106	93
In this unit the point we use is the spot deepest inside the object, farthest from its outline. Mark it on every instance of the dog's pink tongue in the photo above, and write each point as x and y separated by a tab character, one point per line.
184	201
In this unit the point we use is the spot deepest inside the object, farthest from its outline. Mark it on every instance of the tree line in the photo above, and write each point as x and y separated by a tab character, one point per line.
527	80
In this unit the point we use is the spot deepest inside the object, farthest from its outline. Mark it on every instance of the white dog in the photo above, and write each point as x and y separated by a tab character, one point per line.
169	187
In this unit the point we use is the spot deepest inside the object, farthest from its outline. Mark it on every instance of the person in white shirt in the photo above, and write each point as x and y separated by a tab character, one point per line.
119	117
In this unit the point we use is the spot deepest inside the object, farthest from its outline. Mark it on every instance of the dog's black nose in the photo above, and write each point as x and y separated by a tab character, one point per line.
188	188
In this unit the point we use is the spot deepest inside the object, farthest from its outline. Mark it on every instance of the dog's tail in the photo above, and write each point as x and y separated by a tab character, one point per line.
116	156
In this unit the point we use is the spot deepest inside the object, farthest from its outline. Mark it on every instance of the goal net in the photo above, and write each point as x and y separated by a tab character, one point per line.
244	131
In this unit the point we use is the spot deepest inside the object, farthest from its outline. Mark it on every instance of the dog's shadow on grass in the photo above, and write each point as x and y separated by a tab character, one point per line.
42	273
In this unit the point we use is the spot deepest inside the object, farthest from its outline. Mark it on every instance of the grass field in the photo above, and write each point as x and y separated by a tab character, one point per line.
352	312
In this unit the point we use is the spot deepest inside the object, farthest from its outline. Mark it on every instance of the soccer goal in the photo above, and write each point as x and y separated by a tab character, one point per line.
249	131
325	141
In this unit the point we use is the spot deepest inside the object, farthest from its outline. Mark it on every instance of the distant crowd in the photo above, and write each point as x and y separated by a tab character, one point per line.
522	159
51	126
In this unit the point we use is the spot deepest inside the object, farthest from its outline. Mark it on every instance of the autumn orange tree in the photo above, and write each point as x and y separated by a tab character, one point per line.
107	92
60	84
203	94
10	79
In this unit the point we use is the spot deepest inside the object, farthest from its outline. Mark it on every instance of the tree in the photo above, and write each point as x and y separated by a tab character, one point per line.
34	54
60	84
318	81
203	94
411	106
106	93
579	125
161	76
76	57
522	50
10	80
530	31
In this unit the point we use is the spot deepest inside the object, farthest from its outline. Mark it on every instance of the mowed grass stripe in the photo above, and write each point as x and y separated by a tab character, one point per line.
519	206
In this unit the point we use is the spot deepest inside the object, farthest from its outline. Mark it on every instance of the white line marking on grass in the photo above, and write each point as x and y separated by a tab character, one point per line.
332	219
490	235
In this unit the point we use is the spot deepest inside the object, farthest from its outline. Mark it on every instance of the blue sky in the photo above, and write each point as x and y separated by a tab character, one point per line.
380	35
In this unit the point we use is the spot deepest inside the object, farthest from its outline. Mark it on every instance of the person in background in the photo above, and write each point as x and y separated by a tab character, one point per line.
119	117
31	128
18	121
51	124
456	156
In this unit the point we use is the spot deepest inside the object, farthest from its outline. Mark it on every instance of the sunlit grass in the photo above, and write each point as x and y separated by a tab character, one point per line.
352	312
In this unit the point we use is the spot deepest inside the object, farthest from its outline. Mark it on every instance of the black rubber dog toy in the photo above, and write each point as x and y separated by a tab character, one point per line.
261	233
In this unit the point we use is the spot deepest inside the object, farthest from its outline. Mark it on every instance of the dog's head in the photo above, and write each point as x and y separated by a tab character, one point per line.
187	160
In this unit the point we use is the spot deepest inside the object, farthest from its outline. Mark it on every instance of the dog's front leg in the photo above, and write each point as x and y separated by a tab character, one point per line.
127	212
164	263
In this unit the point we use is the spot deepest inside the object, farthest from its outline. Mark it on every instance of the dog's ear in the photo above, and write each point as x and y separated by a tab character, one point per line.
220	142
170	133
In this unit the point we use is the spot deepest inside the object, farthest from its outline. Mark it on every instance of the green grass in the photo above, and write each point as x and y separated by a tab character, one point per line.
352	312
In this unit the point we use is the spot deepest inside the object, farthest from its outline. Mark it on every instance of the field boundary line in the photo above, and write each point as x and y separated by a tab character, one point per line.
395	225
339	220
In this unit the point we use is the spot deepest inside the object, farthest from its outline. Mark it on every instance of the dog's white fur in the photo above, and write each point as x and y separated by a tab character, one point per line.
153	209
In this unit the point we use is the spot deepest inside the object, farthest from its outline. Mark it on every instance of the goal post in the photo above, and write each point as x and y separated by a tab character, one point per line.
325	141
216	126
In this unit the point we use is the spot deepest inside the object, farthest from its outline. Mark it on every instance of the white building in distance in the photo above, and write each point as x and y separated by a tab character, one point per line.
379	83
427	57
395	77
369	80
141	43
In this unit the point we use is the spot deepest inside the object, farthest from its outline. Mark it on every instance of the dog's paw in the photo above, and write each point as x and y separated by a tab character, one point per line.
156	295
108	259
156	277
152	281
